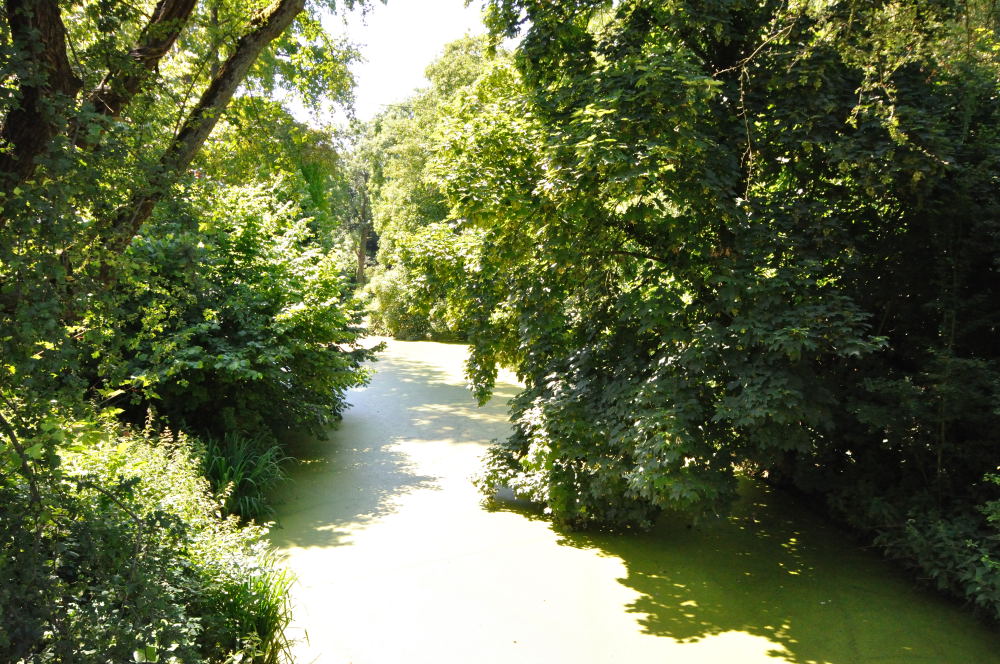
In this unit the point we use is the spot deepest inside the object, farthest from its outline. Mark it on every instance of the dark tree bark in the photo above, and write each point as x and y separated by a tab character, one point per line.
202	120
364	222
120	85
46	85
362	253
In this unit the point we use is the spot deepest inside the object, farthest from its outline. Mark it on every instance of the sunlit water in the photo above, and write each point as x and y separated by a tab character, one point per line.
399	562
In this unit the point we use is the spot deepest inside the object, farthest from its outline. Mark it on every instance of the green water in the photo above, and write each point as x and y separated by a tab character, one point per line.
775	570
399	562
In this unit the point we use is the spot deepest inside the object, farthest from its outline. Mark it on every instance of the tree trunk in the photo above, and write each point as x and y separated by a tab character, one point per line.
364	221
362	253
46	86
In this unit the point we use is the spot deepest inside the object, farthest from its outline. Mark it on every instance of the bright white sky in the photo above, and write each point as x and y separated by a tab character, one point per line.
397	41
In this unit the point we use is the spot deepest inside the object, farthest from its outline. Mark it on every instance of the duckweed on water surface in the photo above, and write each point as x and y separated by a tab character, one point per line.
399	561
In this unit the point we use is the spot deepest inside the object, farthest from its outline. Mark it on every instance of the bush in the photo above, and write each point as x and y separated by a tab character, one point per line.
955	549
121	556
394	309
245	326
413	299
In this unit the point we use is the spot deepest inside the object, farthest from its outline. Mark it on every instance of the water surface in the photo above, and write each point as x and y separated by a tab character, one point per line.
400	563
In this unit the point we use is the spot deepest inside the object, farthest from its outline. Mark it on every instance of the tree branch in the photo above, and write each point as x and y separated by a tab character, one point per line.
121	84
632	254
202	120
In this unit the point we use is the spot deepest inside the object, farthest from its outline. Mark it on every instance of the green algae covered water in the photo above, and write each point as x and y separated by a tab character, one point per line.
399	562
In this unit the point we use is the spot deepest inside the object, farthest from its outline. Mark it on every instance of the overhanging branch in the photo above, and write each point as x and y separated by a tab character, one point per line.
202	120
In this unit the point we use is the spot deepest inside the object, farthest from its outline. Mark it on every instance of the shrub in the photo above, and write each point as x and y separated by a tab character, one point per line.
413	299
394	309
245	326
951	549
121	556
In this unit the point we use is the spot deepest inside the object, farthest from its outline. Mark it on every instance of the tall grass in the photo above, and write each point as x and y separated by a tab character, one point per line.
267	612
256	606
243	469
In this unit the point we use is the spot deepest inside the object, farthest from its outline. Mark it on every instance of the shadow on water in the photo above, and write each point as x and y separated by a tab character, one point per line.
356	474
365	480
772	569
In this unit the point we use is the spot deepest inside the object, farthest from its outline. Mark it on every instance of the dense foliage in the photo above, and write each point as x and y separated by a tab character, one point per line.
419	255
234	315
741	237
171	252
130	563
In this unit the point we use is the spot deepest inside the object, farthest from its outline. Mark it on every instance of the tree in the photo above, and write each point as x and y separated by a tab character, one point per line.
359	220
675	177
101	119
741	238
419	253
138	273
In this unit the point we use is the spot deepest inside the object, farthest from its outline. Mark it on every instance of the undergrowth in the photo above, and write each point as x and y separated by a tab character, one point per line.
122	556
243	469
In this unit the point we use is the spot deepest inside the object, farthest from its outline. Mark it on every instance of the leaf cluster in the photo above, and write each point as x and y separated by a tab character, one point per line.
129	561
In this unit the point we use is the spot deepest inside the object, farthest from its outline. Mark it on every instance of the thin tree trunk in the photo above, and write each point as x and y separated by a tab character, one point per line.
201	121
364	226
362	254
46	86
213	20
